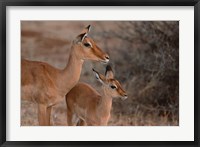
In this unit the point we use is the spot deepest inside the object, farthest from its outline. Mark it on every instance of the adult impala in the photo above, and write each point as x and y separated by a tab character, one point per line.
85	106
47	85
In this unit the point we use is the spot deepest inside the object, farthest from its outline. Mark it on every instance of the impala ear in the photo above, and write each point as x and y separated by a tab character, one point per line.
99	77
80	37
86	29
109	73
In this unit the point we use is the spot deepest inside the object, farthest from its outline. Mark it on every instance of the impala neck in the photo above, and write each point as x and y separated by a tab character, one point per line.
71	73
106	102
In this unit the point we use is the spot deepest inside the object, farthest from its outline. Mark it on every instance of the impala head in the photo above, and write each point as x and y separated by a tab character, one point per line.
111	85
86	48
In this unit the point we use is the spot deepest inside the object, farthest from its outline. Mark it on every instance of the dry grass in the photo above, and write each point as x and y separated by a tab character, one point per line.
144	56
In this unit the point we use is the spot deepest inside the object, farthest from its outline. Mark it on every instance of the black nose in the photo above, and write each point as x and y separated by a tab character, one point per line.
125	95
107	57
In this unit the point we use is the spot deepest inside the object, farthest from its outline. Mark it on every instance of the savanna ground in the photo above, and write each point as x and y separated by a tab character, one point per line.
144	56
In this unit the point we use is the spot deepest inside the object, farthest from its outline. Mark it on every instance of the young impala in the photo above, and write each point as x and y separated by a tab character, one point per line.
85	106
47	85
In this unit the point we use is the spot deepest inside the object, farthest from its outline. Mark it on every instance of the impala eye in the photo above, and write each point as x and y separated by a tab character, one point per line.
87	45
113	87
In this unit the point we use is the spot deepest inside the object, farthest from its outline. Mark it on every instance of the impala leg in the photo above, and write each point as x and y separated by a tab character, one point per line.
72	119
69	118
48	115
42	109
81	123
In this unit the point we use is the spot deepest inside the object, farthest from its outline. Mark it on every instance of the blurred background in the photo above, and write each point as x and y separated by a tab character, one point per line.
143	54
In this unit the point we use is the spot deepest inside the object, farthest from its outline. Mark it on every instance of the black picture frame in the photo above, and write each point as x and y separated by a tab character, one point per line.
5	3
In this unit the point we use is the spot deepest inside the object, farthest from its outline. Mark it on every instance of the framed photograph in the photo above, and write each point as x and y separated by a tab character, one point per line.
99	73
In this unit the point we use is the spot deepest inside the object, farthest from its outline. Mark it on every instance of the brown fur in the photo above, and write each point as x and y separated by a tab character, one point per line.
43	83
85	106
